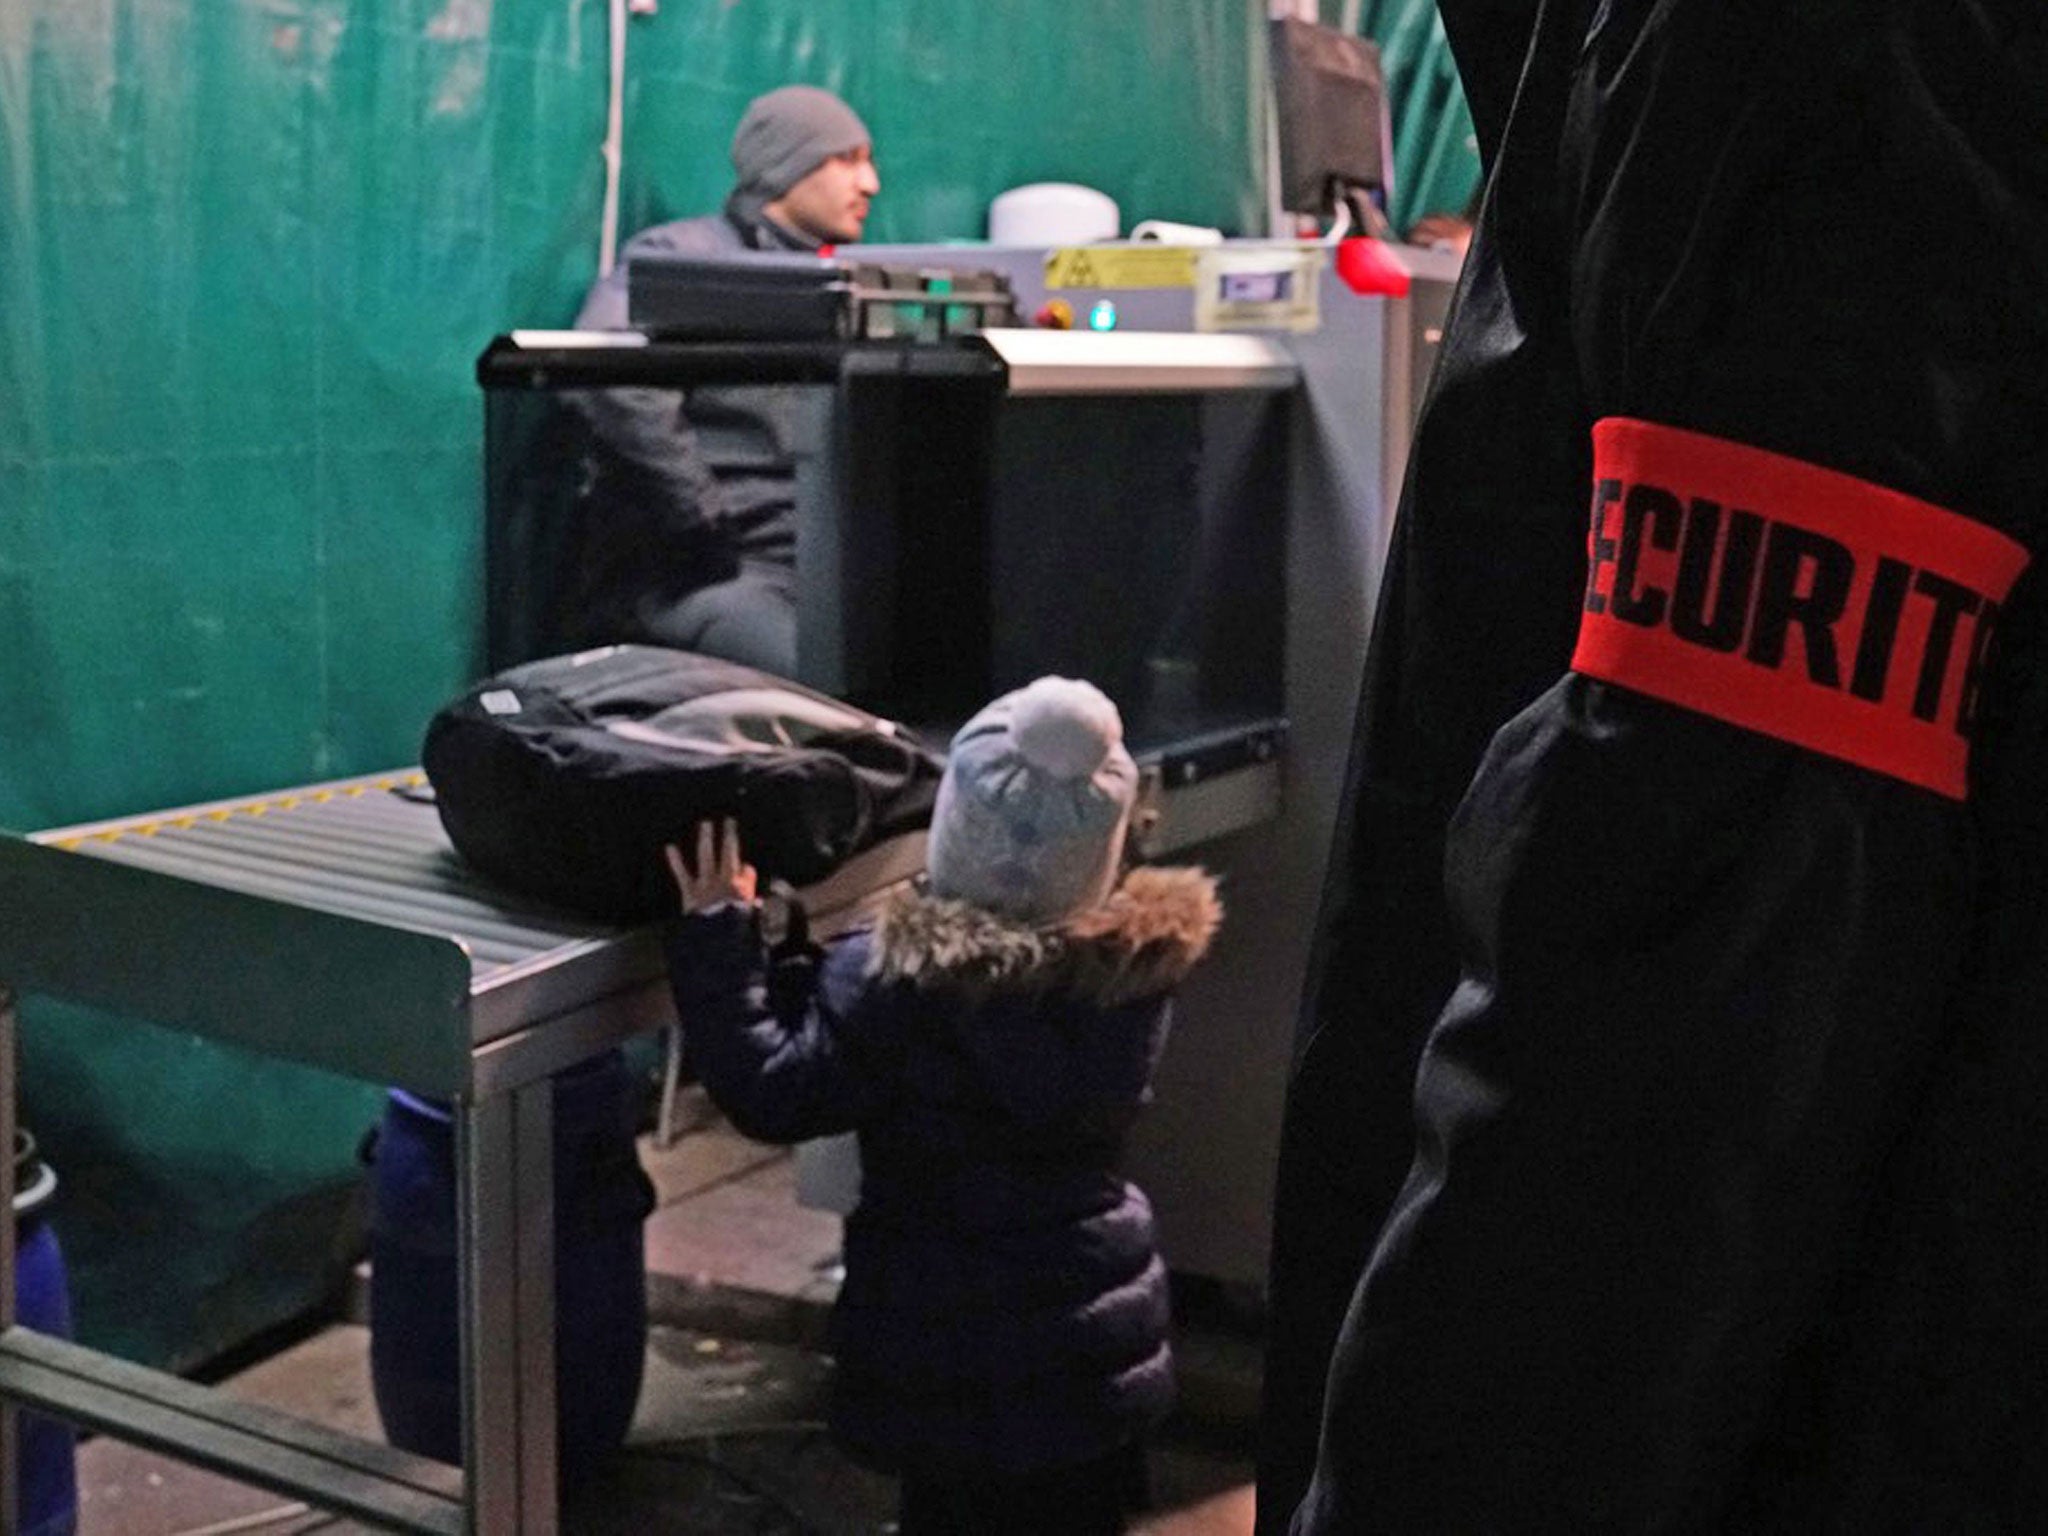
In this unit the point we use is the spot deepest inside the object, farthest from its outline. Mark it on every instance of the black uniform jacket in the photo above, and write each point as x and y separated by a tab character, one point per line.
1668	1145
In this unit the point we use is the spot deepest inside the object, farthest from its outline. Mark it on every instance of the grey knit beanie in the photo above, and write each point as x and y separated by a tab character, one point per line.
1035	803
788	133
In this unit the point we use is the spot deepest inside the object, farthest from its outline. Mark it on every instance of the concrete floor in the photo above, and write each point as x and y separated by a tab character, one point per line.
727	1437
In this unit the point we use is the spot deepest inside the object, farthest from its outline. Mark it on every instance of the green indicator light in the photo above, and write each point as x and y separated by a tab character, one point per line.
1103	316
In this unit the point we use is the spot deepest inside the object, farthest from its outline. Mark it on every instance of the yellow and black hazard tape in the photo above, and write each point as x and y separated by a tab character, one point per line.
185	820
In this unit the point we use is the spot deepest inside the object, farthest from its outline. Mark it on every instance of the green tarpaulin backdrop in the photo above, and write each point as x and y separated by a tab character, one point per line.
249	250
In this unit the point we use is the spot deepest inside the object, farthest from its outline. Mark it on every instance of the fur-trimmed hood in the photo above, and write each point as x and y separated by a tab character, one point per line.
1143	940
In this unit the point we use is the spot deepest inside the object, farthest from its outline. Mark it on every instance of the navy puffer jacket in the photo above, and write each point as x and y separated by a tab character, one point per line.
1005	1307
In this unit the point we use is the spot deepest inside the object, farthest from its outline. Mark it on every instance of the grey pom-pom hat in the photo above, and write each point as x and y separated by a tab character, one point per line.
1035	804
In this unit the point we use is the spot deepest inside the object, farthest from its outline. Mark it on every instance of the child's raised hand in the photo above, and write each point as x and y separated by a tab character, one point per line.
718	873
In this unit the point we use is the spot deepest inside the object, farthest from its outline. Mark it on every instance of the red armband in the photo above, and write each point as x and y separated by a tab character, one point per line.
1789	599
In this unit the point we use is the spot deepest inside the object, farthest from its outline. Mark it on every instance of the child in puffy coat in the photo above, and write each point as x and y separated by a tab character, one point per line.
1001	1335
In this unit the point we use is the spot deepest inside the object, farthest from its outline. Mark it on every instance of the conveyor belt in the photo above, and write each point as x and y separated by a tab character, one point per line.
348	932
371	848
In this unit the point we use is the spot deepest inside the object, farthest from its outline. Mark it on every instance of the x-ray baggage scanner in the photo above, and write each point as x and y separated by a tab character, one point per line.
1194	519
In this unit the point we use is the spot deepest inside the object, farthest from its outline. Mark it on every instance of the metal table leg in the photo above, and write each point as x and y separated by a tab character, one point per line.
506	1261
10	1451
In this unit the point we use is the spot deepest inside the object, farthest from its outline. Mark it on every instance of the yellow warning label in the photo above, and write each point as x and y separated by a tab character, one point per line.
1121	266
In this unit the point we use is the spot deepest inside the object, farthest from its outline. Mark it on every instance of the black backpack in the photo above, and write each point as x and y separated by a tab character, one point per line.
563	778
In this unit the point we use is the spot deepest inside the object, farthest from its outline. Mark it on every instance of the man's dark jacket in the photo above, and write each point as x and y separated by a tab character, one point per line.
678	486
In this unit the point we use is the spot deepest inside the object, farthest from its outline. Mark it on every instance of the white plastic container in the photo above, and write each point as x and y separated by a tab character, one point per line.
1052	213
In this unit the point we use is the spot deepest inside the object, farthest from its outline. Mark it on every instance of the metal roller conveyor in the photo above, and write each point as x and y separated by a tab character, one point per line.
333	924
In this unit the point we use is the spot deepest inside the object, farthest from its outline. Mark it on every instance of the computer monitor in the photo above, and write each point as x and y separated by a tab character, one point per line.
1330	107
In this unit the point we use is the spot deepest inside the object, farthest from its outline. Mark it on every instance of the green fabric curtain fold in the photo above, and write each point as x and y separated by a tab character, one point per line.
1436	156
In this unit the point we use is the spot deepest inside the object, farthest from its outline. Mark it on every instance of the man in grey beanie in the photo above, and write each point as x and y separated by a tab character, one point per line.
806	168
804	174
676	546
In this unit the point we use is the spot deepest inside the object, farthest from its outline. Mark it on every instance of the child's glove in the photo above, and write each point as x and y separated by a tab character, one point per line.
793	963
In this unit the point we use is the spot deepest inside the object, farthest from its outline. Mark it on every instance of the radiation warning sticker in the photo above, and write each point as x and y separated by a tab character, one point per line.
1121	266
